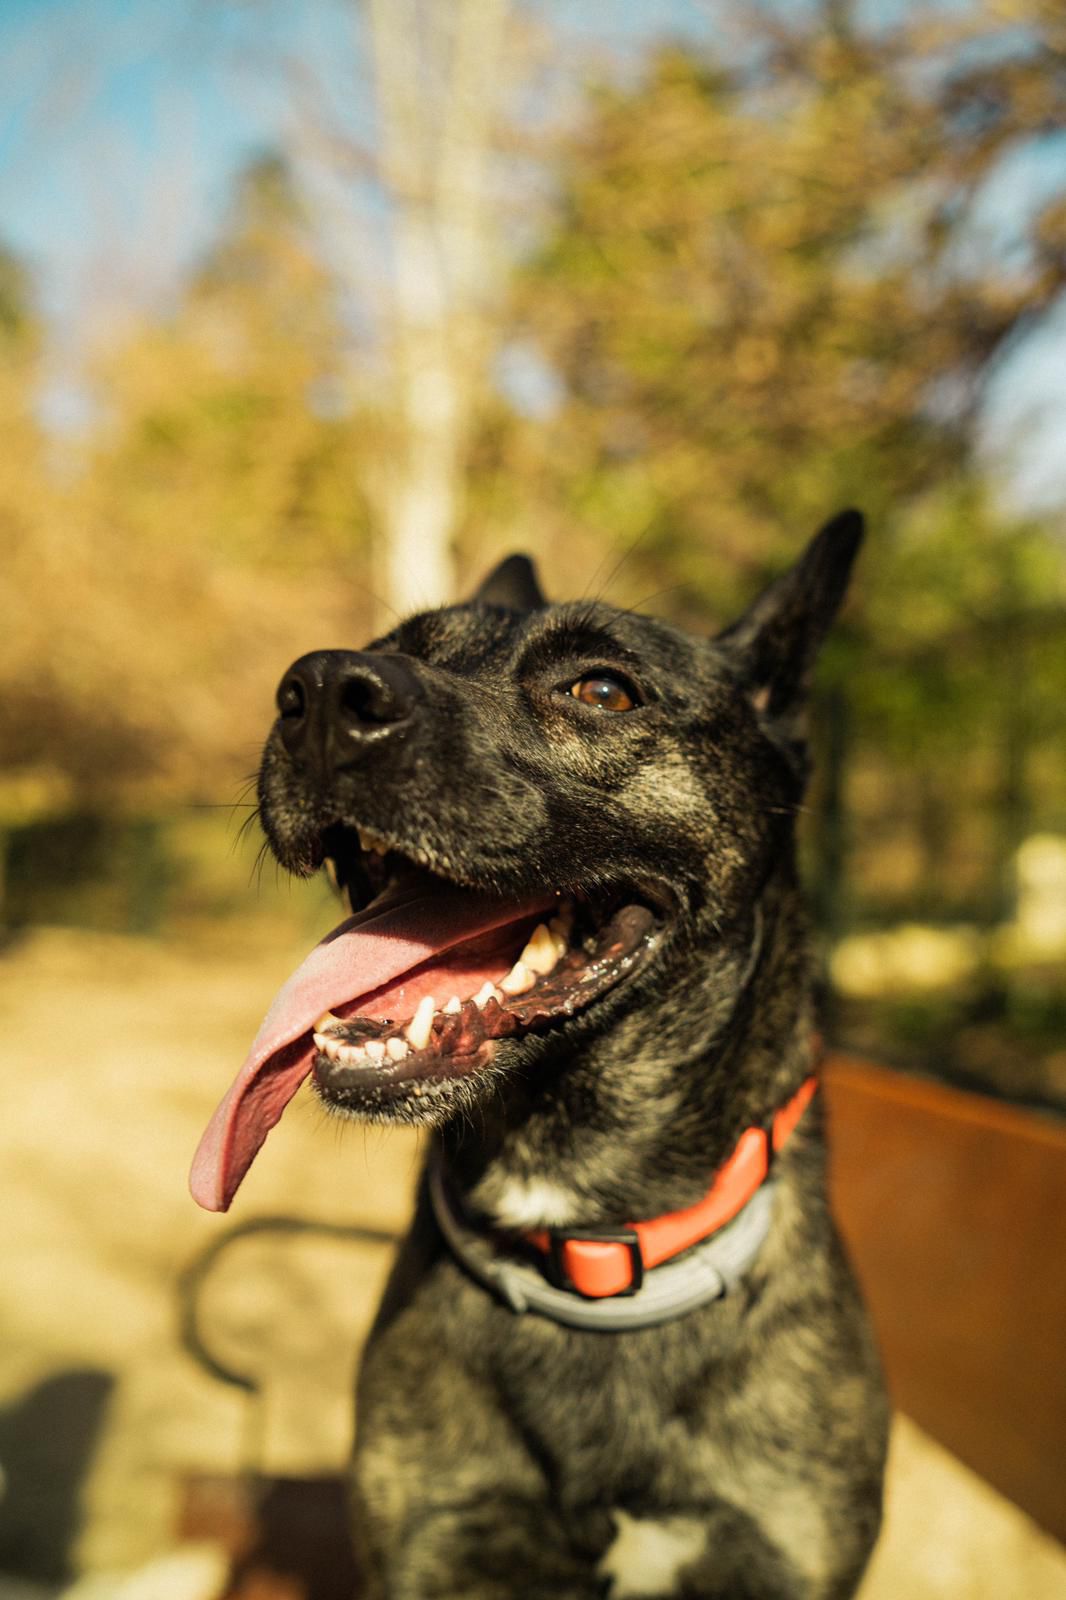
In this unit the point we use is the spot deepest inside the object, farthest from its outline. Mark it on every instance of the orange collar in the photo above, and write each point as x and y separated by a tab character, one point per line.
598	1263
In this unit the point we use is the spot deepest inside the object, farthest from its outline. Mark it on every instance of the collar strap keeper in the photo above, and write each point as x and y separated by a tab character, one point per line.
602	1263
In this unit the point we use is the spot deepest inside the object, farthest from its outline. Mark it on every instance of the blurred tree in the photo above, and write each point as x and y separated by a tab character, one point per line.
438	72
17	323
767	294
961	684
773	282
29	537
239	407
755	300
206	534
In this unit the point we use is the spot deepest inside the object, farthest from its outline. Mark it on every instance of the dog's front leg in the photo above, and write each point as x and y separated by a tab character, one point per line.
498	1547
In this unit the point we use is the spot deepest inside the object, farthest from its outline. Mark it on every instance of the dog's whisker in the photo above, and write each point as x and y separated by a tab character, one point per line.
218	805
258	864
626	555
247	824
635	610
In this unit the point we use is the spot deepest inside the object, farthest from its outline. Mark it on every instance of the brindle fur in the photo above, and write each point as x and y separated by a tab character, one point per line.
496	1451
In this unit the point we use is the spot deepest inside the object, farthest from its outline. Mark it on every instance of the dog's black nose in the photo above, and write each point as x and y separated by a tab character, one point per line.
334	703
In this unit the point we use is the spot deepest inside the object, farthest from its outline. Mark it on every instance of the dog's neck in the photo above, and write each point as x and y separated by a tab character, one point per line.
580	1148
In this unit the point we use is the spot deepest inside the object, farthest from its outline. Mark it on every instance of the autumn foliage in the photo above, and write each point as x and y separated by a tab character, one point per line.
757	284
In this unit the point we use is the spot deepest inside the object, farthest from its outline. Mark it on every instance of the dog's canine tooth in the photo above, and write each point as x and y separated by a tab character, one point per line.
323	1041
486	993
396	1048
454	1006
518	980
326	1020
375	1049
420	1027
541	953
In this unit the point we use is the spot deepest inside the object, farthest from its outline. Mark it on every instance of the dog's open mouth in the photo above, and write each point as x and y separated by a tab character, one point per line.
411	993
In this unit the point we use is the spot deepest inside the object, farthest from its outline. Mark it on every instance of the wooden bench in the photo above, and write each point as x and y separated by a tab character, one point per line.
953	1207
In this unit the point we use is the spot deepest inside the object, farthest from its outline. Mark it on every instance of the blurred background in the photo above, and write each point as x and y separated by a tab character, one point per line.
307	315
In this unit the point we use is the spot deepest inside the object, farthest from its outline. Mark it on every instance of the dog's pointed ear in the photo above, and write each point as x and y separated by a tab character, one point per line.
512	584
776	641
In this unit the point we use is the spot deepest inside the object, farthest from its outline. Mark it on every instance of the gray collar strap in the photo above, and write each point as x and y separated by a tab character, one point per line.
708	1271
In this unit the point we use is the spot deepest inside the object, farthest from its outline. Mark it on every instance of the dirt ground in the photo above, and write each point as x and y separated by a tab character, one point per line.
115	1052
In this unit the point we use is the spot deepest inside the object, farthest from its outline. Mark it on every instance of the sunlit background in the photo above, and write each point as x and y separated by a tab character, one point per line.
308	314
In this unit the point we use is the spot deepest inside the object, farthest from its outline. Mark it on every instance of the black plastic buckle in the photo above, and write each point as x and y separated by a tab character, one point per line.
560	1278
768	1135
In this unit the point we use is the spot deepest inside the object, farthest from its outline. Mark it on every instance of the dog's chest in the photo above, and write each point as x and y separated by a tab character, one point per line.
647	1555
526	1203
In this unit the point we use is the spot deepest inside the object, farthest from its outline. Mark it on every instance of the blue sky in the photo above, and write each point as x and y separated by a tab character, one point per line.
103	102
124	122
122	127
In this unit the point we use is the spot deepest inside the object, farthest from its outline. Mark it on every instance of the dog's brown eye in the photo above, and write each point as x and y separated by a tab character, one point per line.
603	691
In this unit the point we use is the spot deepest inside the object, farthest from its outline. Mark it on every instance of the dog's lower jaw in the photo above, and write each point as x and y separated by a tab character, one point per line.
445	1059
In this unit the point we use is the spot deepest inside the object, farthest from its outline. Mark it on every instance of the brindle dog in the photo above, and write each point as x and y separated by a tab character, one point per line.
611	801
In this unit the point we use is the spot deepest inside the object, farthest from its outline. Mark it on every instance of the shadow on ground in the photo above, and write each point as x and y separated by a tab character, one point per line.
47	1442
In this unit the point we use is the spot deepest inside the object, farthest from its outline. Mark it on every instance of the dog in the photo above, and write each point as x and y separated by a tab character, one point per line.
621	1352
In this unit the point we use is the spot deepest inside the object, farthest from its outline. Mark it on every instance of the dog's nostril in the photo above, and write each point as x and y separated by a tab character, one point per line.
292	698
333	705
369	699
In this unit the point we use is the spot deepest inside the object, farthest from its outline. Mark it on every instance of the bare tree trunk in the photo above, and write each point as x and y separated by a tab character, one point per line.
437	74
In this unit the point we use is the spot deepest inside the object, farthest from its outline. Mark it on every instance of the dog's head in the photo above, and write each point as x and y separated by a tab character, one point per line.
548	819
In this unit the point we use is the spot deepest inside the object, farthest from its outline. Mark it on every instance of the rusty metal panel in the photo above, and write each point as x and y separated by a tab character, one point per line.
953	1207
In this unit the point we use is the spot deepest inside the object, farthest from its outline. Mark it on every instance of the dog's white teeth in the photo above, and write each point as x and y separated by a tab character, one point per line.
541	953
486	993
331	871
335	1049
454	1006
518	980
374	1050
420	1026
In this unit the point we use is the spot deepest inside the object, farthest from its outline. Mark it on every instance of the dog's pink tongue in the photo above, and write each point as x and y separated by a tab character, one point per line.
358	957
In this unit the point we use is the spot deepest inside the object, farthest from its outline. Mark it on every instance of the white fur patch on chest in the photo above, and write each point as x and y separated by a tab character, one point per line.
534	1203
647	1554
